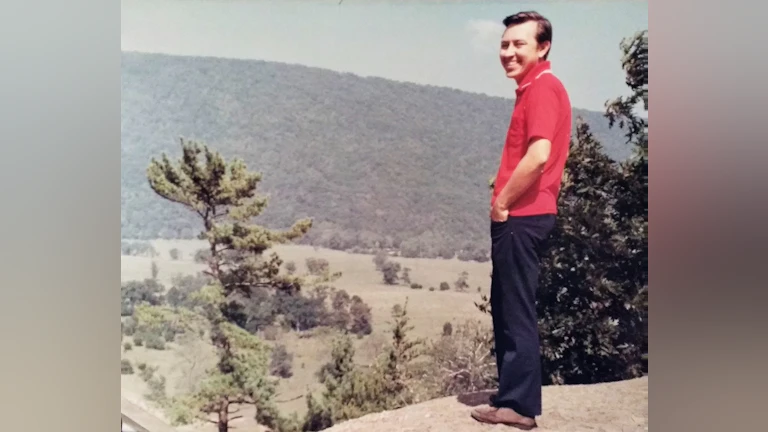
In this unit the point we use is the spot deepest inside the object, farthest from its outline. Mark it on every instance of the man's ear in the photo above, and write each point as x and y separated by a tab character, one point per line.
544	49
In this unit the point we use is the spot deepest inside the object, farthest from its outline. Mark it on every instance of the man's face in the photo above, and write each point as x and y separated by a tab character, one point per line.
519	50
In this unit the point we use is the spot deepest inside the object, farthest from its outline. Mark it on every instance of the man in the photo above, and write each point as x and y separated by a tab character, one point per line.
523	209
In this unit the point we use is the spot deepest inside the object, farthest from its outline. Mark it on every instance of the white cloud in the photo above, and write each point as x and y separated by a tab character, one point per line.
485	34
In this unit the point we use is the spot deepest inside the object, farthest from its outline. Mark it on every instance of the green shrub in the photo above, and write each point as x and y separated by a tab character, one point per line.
127	346
282	362
154	341
447	329
175	254
125	367
129	326
169	334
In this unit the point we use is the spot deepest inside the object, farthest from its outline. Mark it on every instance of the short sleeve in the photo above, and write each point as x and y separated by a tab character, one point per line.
542	111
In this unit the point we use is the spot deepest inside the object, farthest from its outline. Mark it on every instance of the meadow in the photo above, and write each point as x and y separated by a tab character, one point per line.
181	363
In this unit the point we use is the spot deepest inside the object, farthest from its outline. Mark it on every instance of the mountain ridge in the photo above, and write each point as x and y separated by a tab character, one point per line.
374	161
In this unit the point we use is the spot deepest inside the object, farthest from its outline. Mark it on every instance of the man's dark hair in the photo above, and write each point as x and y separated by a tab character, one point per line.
544	32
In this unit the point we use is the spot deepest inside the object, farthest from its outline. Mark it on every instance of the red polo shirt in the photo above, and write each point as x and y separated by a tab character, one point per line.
542	110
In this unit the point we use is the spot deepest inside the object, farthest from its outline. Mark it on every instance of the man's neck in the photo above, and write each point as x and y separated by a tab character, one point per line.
522	80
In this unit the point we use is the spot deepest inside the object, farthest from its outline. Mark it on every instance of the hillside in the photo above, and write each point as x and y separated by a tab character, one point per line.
617	406
371	160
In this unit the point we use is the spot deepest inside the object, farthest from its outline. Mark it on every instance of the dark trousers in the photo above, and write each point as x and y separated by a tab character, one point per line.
516	247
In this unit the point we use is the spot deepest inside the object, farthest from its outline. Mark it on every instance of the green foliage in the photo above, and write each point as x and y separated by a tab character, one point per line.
290	267
223	195
137	248
461	284
340	316
361	318
379	259
129	326
282	362
460	361
182	288
301	312
621	110
405	276
125	367
132	293
389	272
127	346
202	256
342	363
241	375
241	292
175	254
473	252
155	384
447	329
317	266
154	341
402	351
155	271
351	391
389	269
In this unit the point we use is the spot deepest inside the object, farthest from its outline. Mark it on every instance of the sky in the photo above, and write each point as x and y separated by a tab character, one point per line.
448	44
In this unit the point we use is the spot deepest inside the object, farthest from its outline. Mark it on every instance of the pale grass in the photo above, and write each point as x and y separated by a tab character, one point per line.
428	311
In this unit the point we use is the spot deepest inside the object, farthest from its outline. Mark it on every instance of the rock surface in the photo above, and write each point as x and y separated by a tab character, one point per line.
608	407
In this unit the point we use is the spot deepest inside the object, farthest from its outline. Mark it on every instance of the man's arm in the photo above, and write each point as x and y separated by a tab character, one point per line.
542	115
525	174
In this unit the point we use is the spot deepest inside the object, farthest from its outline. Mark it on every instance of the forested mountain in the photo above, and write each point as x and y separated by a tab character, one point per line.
369	159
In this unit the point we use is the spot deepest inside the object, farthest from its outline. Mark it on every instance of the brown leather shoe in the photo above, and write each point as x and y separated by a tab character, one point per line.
505	416
485	408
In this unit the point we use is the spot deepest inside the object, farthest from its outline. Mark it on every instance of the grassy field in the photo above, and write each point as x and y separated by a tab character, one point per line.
428	311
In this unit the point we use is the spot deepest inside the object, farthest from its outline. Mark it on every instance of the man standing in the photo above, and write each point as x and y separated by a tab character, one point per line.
523	209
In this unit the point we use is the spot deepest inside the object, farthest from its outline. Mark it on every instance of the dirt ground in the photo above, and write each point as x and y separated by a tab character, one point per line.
610	407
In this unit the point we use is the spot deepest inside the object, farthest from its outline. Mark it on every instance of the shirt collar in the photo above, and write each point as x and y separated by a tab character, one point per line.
541	68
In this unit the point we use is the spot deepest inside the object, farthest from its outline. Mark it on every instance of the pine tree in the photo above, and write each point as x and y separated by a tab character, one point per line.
351	391
224	196
399	357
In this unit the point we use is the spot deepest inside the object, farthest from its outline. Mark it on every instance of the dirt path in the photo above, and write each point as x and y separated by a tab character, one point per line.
610	407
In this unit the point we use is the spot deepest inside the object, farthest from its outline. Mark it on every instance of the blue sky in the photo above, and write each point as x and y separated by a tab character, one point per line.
451	44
